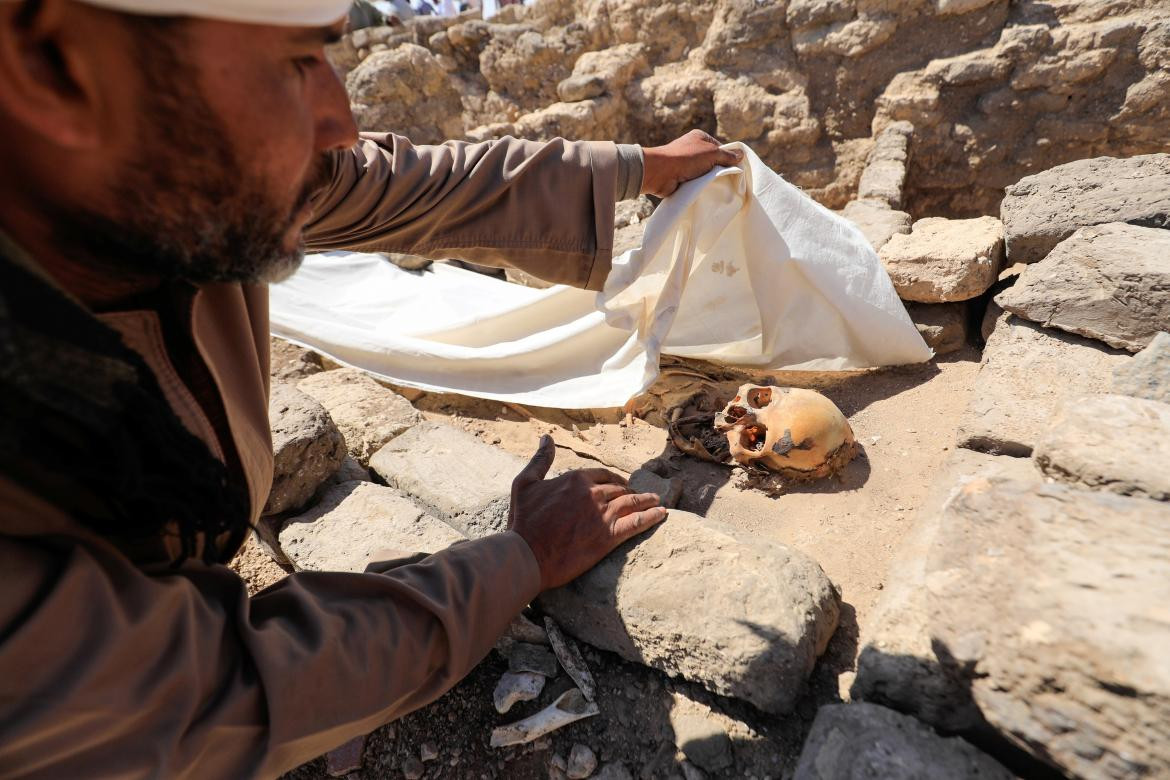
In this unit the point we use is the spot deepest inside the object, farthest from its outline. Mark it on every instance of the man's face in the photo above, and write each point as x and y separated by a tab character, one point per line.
231	130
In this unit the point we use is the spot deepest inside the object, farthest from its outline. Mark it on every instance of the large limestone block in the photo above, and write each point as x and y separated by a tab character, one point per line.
1027	371
1148	374
368	414
897	665
743	616
1053	605
859	740
1110	442
446	469
1042	210
1108	282
945	259
307	447
876	220
357	521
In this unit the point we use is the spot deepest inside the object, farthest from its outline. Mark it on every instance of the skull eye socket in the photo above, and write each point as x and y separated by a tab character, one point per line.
735	413
759	397
752	437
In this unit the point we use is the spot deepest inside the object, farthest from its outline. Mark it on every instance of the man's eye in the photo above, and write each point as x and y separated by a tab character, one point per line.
304	63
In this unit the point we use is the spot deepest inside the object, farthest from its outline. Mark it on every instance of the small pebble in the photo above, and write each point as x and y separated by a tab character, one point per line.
412	768
582	762
428	752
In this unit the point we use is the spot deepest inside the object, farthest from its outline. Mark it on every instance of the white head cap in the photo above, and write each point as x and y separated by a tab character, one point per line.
291	13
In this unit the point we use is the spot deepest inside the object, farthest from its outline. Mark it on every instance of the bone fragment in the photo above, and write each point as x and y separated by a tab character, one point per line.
525	657
524	630
570	657
515	687
572	706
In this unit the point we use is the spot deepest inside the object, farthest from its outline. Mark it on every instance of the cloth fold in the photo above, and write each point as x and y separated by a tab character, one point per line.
738	266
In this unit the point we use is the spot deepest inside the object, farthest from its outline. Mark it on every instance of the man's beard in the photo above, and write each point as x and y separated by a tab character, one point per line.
187	207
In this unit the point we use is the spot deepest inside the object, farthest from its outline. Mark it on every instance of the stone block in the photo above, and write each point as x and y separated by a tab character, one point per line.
576	88
357	521
290	363
367	413
1027	371
1042	210
669	491
897	666
446	469
1108	282
850	741
1109	442
1050	604
885	171
307	448
943	325
1147	375
877	221
743	616
945	260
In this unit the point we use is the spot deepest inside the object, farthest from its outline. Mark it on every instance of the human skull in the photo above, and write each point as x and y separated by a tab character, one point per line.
796	433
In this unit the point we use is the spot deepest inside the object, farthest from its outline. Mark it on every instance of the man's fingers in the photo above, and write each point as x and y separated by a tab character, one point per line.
633	502
602	477
538	467
609	492
729	157
637	522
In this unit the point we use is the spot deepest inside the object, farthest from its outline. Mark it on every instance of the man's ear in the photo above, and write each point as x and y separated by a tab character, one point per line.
49	73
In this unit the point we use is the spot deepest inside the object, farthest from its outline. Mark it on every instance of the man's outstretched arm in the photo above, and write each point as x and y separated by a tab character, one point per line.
179	674
543	207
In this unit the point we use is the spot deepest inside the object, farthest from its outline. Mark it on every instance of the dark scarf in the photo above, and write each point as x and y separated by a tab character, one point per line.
85	426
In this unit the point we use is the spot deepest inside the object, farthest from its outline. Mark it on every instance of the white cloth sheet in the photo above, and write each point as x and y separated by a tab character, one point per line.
738	266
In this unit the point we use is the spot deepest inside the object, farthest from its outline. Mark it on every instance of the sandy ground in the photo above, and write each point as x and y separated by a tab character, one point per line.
904	419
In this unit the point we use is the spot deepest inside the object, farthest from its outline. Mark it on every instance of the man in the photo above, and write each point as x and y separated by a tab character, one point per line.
156	172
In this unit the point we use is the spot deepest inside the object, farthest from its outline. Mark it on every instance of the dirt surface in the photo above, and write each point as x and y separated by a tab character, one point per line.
904	419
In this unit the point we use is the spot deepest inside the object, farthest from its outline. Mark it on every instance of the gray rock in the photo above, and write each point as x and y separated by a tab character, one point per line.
428	752
581	762
701	734
1110	442
368	414
885	171
1050	603
943	325
516	687
538	659
745	617
447	469
1108	282
897	666
1027	371
307	448
1042	210
669	491
347	758
615	770
991	316
945	260
412	768
576	88
877	221
864	740
357	523
1147	375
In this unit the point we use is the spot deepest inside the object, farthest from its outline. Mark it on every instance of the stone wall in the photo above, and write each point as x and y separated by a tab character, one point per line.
994	90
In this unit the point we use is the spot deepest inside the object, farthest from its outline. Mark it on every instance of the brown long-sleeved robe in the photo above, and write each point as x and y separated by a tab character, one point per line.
114	663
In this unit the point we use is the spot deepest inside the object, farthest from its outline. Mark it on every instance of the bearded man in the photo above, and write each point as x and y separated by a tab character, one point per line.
157	172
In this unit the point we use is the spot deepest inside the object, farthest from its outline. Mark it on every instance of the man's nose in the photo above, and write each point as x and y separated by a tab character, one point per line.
335	128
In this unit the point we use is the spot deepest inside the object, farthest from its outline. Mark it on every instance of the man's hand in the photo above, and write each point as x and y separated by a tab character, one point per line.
573	521
683	159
